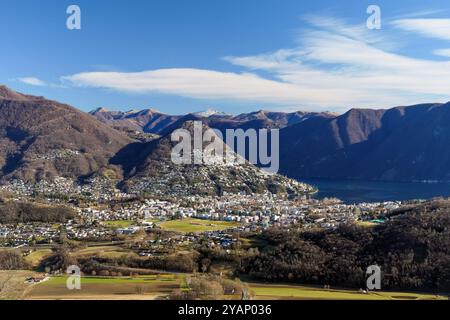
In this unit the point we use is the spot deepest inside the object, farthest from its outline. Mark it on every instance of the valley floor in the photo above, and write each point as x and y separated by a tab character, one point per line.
154	287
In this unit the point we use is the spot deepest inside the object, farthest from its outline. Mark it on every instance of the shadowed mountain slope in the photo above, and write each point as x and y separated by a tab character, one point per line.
399	144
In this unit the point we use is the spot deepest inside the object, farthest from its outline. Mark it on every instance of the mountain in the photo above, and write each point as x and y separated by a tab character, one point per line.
148	120
151	121
406	143
399	144
261	120
43	139
256	120
276	119
154	172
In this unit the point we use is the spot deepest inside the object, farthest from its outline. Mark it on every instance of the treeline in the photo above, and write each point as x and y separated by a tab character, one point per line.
210	287
24	212
412	249
182	262
12	260
61	259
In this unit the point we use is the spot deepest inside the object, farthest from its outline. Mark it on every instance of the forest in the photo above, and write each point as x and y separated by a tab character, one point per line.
412	248
24	212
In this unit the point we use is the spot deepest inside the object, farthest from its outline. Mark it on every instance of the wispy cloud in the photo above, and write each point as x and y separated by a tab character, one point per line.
442	52
432	28
200	84
333	65
419	13
32	81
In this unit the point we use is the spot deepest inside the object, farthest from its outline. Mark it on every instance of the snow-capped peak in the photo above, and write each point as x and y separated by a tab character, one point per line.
209	112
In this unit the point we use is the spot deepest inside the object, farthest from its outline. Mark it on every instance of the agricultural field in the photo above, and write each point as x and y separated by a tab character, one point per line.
191	225
118	224
12	284
159	286
287	292
107	288
104	252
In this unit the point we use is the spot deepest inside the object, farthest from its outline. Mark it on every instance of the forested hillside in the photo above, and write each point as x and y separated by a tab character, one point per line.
412	249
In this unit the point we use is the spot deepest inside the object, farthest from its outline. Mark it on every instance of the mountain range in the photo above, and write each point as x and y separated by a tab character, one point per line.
407	143
44	139
398	144
156	122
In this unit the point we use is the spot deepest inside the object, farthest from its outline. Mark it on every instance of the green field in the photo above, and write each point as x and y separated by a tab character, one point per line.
283	292
196	225
117	224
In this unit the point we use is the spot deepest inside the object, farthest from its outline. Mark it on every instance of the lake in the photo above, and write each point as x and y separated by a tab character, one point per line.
351	191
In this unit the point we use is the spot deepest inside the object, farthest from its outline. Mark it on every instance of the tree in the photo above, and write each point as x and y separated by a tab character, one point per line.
205	264
59	261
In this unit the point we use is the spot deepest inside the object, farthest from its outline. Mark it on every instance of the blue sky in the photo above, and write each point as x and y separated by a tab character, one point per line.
235	56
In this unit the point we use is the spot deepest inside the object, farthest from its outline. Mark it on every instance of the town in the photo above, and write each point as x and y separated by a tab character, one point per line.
216	217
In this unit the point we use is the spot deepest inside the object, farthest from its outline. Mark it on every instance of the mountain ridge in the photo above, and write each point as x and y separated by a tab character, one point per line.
44	140
404	143
157	122
398	144
40	139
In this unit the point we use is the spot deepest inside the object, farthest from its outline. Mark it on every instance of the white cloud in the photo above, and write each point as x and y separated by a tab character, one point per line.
432	28
344	59
442	52
333	66
32	81
202	84
419	13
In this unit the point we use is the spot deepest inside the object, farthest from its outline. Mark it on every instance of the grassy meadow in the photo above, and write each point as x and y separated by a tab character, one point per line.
191	225
289	292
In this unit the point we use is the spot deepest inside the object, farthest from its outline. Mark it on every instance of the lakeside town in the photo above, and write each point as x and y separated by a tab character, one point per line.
99	220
